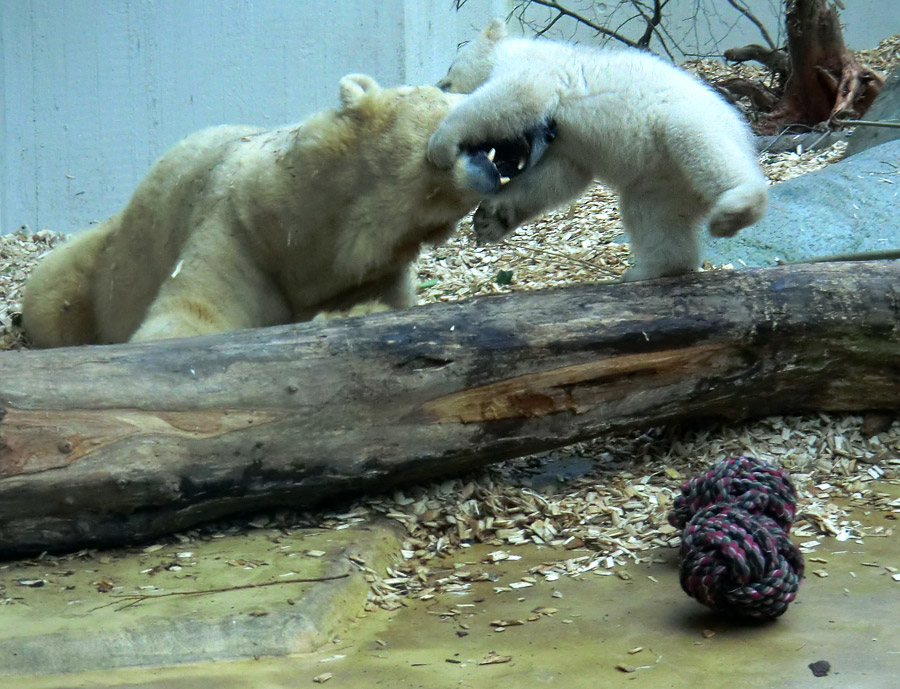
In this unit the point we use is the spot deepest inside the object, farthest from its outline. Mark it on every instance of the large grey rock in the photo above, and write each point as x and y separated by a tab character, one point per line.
849	207
807	141
886	107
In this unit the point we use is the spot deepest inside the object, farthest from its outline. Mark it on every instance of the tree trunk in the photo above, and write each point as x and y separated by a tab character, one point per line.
104	445
825	81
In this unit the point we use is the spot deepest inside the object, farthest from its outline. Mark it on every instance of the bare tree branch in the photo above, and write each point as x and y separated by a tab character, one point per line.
762	97
550	24
615	21
601	30
743	9
774	60
652	22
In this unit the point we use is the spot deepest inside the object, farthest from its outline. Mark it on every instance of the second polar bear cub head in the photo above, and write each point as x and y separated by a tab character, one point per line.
474	63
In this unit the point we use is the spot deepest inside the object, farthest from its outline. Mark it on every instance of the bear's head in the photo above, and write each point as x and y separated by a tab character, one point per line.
473	64
392	128
396	124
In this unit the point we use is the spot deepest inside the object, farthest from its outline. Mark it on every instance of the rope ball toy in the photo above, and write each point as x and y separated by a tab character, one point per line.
736	555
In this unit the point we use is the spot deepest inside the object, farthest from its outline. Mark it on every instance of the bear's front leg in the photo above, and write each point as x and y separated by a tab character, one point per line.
395	289
493	220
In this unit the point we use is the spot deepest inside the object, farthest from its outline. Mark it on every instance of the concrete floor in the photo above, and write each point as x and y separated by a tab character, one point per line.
848	618
74	615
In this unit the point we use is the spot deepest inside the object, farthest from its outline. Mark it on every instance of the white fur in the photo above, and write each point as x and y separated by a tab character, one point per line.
679	156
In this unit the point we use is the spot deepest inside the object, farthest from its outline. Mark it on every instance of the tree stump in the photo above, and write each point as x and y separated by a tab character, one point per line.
821	81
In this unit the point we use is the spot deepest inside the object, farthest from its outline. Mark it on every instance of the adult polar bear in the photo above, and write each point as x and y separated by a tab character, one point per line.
678	155
236	227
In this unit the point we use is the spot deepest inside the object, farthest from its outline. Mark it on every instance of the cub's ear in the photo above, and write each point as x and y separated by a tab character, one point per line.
494	31
354	87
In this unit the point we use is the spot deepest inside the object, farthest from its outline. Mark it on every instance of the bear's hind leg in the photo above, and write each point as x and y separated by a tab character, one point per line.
737	208
58	305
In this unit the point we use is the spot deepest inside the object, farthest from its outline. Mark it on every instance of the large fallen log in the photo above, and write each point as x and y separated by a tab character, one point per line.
105	445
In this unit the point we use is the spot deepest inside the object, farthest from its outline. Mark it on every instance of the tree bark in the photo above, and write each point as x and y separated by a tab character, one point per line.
761	96
825	80
775	60
106	445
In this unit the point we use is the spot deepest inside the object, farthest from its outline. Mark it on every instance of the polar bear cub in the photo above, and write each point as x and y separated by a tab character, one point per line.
237	227
678	155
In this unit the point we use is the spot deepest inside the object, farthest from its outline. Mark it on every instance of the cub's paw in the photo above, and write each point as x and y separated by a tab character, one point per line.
443	148
738	208
493	221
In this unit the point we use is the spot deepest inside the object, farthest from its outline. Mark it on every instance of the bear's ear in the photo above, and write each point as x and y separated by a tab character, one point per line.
494	31
354	87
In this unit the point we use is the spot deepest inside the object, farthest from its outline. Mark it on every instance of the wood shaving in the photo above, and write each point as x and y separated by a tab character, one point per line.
19	252
884	58
494	658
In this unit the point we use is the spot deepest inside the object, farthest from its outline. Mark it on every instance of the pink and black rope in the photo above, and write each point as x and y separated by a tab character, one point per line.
736	555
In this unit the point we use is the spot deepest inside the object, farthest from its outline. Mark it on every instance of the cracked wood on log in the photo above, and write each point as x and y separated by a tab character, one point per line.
106	445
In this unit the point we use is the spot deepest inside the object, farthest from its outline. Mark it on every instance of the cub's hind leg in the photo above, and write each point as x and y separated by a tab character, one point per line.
662	220
737	208
58	305
718	160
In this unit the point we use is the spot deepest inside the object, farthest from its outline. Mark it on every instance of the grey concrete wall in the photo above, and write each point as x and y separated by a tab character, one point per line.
95	90
92	91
